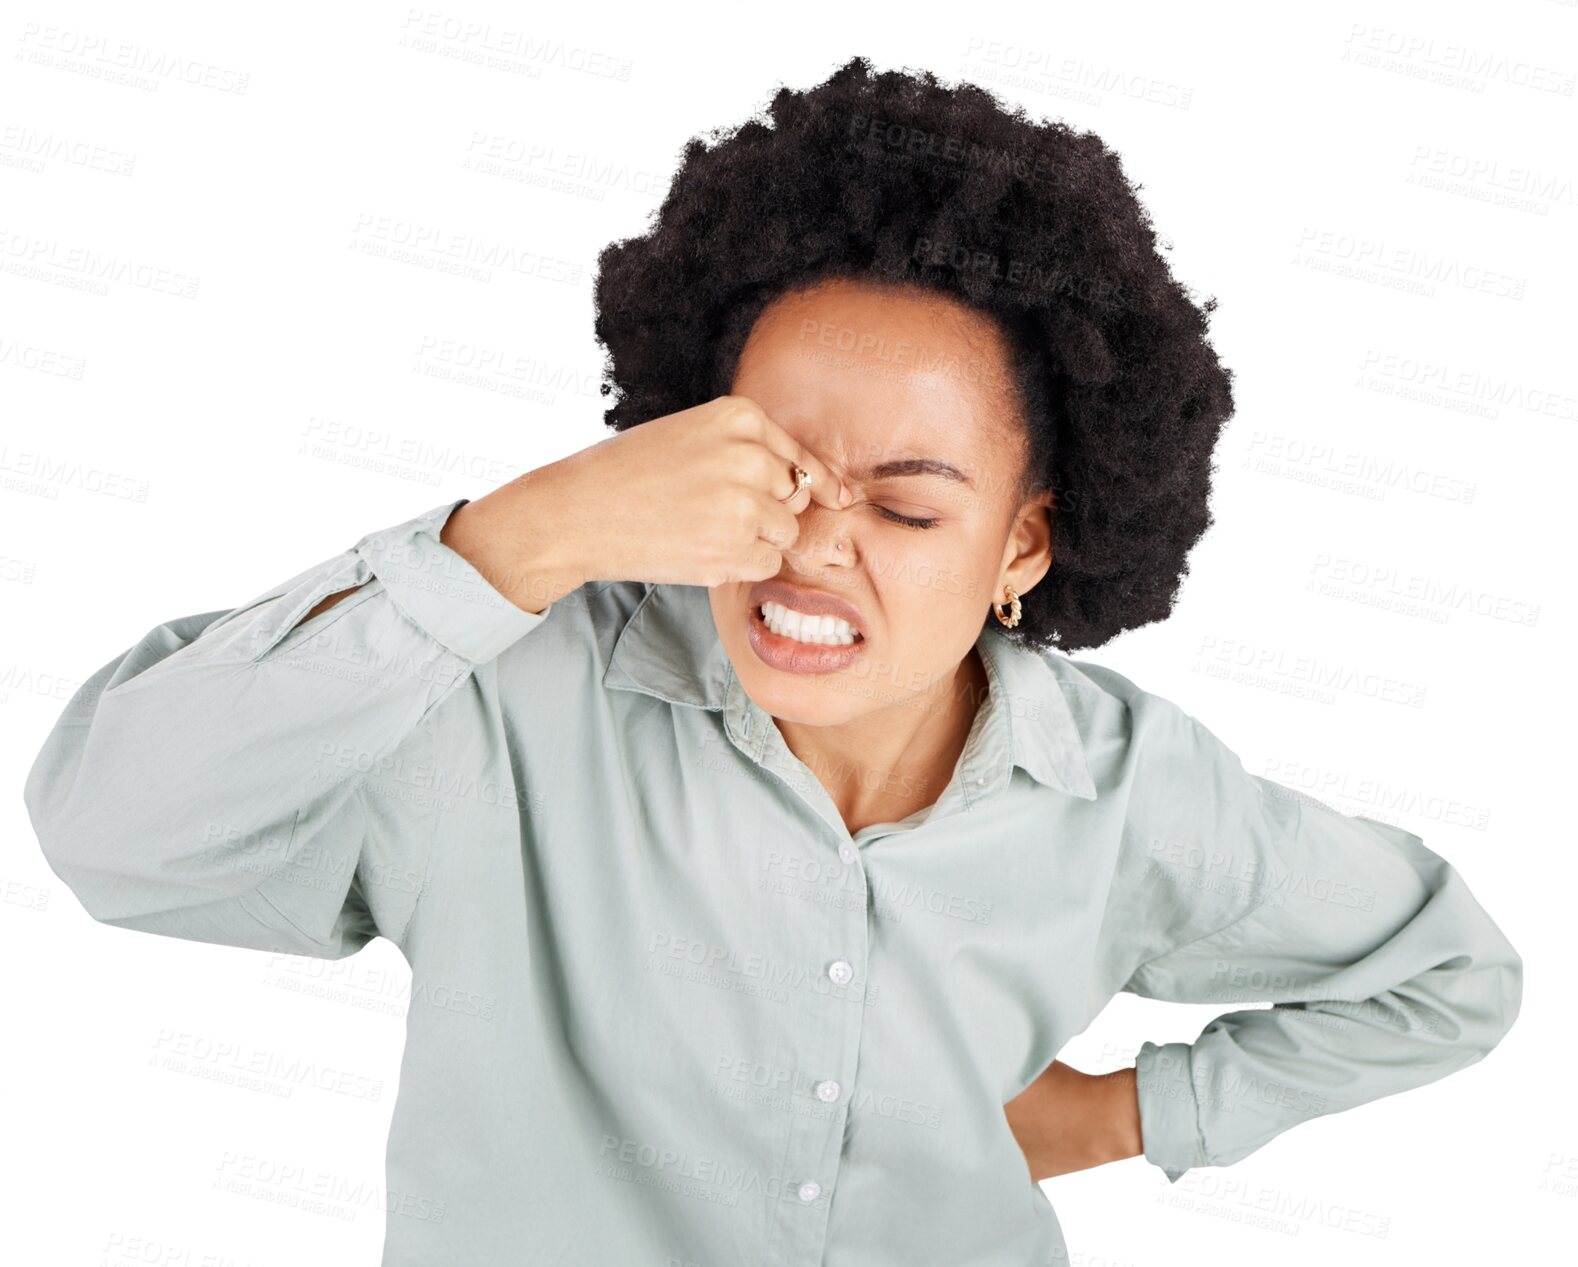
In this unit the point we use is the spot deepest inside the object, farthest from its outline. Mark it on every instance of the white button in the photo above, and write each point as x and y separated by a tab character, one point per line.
846	851
810	1191
827	1090
981	779
841	972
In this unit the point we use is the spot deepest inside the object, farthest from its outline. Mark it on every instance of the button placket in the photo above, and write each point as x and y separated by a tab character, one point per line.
816	1145
829	1018
832	1012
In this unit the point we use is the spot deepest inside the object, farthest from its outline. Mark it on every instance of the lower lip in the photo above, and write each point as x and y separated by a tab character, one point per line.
794	656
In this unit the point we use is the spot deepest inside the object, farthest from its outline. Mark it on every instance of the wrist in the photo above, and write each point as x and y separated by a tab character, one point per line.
1124	1138
519	539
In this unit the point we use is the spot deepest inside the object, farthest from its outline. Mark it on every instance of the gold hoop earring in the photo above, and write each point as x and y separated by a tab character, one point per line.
1013	602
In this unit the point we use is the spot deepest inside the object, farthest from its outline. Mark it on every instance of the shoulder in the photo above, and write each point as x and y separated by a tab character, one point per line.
1163	761
579	630
1114	713
601	608
1090	683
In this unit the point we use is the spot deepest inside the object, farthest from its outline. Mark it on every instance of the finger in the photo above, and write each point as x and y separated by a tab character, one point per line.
762	563
779	525
825	488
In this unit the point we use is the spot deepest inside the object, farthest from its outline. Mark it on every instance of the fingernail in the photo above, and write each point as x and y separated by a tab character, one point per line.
844	495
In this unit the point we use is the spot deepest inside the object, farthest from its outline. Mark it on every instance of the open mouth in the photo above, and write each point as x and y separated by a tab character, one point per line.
811	631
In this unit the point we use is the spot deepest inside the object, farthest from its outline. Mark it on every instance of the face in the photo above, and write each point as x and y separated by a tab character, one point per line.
903	393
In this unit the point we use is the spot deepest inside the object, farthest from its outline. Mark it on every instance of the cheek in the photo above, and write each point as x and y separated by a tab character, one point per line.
728	601
930	578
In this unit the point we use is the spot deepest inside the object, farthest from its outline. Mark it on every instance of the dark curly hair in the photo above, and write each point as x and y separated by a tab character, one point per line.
895	178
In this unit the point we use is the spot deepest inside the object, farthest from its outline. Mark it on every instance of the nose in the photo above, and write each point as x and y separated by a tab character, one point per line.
824	536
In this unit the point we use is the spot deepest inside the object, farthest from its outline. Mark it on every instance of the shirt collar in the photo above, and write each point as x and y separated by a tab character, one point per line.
670	648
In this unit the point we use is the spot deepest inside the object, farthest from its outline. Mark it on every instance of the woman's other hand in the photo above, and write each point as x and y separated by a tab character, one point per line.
1067	1120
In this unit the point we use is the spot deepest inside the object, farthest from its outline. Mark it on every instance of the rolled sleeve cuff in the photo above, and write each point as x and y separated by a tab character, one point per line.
439	591
1169	1109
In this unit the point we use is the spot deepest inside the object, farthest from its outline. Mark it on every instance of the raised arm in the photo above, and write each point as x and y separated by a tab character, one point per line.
210	782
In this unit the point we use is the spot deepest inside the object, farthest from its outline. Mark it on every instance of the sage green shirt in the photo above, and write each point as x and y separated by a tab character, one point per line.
665	1009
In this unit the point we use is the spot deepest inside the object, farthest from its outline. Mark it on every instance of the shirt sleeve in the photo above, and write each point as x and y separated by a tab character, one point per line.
1382	970
210	783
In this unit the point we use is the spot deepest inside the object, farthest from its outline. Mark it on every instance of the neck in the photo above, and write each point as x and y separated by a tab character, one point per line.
892	762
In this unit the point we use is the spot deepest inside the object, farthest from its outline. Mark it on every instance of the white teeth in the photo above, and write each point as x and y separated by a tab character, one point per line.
824	630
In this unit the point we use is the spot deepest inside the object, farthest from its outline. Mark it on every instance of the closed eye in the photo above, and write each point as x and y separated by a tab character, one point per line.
905	519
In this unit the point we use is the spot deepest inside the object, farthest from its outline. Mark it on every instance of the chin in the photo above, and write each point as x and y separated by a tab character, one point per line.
826	700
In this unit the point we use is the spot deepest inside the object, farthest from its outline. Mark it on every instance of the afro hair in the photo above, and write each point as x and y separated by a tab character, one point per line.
894	178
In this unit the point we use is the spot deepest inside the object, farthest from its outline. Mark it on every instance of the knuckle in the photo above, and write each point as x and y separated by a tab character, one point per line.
768	463
743	507
740	410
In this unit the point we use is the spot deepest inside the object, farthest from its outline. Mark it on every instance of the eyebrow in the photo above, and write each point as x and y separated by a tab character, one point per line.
912	466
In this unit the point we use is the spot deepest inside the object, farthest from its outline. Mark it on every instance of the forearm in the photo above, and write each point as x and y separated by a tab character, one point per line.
206	782
516	539
522	537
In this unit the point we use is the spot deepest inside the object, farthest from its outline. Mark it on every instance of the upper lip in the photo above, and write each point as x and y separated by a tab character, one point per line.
811	602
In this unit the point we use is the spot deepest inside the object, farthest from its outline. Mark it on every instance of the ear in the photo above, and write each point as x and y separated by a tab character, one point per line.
1027	555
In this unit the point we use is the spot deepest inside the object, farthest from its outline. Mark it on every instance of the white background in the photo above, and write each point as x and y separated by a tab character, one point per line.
1382	198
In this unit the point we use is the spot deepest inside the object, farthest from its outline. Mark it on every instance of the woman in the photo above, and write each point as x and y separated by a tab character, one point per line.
754	843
